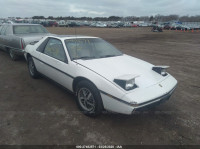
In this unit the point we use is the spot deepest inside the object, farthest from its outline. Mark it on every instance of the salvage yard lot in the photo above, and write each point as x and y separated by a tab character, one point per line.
39	112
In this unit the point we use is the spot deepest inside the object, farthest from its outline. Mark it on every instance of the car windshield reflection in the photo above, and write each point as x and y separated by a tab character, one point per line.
90	48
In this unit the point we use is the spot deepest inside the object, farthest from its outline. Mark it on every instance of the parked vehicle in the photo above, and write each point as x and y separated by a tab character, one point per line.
99	75
157	29
50	23
127	24
93	24
101	25
182	27
62	23
114	25
173	26
120	24
143	24
167	27
15	37
44	23
73	24
135	25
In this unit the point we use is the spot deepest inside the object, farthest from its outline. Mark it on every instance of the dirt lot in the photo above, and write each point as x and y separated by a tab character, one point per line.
39	112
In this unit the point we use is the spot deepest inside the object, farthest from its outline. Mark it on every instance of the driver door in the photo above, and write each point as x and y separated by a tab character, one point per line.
54	63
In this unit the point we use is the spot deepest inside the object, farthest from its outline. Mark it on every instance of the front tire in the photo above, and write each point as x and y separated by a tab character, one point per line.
88	99
32	69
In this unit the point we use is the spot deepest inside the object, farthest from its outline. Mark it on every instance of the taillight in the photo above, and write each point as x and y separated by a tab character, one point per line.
22	44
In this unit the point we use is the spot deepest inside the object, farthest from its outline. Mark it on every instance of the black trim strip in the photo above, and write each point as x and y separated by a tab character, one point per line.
54	68
141	104
114	97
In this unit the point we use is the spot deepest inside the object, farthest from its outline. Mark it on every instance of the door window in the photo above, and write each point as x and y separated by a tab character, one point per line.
42	46
54	48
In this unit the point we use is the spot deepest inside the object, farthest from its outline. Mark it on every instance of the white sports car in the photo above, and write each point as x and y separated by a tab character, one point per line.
100	76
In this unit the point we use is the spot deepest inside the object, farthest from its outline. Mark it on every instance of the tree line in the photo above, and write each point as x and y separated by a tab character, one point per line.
160	18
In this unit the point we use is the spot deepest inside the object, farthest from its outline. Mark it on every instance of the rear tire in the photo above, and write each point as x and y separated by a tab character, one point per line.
32	69
13	56
88	99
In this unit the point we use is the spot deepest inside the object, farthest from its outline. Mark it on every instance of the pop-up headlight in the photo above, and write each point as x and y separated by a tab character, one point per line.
127	82
161	70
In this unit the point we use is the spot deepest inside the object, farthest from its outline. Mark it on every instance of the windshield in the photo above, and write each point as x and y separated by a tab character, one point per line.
90	48
28	29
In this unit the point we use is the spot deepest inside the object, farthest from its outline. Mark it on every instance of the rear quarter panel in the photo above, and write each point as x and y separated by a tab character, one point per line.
14	42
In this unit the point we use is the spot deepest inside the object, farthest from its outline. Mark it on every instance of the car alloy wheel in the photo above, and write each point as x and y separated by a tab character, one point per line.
31	67
86	100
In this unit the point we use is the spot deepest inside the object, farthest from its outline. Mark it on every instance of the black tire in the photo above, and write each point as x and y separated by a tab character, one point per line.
12	55
98	105
32	69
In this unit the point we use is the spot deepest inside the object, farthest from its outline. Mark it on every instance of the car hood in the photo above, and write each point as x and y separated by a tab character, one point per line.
115	67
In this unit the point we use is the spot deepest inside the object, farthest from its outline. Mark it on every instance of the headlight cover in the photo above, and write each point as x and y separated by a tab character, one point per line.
161	70
127	82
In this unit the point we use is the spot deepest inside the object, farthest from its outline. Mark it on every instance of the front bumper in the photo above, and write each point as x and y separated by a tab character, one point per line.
117	106
154	102
144	98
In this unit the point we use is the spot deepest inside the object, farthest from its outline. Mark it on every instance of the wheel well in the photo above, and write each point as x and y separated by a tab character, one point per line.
7	49
27	56
77	80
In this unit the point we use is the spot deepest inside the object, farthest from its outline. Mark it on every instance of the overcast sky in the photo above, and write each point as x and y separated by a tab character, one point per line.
97	8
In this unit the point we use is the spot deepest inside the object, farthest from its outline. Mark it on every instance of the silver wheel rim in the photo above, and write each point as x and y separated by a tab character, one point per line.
86	99
31	67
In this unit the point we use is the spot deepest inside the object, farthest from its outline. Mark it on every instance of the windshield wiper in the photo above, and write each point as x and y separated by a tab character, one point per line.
84	57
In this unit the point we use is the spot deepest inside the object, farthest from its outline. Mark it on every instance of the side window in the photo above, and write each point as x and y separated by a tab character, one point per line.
42	46
54	48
